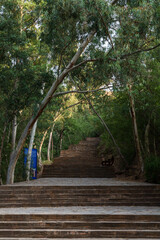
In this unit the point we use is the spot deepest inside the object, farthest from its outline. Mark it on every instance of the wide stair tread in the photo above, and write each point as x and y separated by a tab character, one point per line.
52	196
80	226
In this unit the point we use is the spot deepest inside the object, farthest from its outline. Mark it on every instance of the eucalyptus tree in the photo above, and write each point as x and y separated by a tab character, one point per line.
82	33
19	64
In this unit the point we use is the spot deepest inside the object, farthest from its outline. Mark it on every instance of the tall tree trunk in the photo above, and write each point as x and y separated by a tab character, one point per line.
154	145
49	146
40	148
33	132
136	135
52	150
14	122
60	140
1	149
44	136
14	132
12	165
15	154
50	142
147	138
154	141
45	133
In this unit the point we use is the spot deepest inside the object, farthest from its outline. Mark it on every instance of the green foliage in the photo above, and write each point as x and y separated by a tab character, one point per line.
21	70
80	126
37	40
20	171
152	169
116	114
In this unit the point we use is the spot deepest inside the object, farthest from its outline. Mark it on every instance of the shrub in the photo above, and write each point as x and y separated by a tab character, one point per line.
152	169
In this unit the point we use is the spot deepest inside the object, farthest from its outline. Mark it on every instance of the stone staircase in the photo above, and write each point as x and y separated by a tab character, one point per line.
79	223
59	196
80	161
79	208
79	226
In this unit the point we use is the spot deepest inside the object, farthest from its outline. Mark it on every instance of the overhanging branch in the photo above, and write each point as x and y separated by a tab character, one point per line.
140	50
77	91
82	63
114	59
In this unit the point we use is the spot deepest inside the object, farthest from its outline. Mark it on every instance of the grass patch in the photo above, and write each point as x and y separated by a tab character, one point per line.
46	162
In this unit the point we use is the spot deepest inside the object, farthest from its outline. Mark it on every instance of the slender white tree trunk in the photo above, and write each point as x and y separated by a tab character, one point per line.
52	150
14	132
49	146
50	142
135	128
40	148
33	132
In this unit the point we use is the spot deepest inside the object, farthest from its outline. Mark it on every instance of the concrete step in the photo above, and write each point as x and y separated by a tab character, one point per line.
82	168
54	233
83	165
76	176
79	199
150	188
83	195
73	204
123	218
76	238
73	225
145	223
77	195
